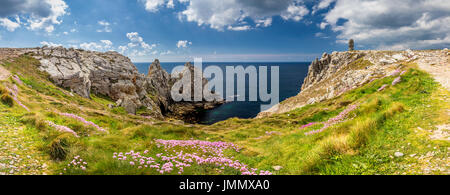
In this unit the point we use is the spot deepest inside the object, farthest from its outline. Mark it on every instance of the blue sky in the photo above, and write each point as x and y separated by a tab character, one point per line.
225	30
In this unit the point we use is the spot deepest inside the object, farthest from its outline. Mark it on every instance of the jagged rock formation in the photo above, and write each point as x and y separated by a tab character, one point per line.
115	76
190	110
340	72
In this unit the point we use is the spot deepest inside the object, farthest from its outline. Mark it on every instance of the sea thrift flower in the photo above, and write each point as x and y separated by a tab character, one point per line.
203	153
308	125
84	121
76	164
17	79
336	120
62	128
395	73
382	88
396	81
14	94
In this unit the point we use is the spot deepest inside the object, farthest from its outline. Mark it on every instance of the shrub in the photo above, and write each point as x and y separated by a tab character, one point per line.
59	147
361	131
7	99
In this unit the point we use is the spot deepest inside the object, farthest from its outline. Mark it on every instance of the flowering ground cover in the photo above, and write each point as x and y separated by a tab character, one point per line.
179	155
335	120
84	121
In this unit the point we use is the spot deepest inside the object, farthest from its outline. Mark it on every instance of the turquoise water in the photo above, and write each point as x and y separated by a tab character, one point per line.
292	75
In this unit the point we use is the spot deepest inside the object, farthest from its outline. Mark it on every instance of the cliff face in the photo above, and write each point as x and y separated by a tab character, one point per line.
113	75
339	72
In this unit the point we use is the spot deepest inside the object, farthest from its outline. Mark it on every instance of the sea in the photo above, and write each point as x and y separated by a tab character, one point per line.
292	75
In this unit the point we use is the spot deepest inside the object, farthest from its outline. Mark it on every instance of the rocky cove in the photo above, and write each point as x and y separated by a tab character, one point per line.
114	76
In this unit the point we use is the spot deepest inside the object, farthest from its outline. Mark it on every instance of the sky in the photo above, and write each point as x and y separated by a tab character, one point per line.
225	30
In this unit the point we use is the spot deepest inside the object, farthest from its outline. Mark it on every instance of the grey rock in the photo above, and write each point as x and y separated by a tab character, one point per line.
115	76
398	154
277	168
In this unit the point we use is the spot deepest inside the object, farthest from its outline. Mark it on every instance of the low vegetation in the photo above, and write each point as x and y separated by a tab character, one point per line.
363	131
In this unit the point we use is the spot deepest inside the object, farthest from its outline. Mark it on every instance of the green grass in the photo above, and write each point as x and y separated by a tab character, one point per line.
385	122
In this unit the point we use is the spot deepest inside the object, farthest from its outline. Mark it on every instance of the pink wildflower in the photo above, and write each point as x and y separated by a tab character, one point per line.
396	81
17	79
308	125
395	73
338	119
382	88
84	121
62	128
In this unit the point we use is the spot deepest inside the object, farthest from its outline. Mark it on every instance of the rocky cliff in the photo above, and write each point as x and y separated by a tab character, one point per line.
339	72
115	76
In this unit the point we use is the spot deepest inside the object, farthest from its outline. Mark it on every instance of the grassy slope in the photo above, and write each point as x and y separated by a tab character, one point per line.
385	122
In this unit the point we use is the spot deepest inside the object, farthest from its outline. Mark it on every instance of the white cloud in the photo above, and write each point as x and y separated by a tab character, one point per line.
391	24
295	12
263	22
9	25
50	44
165	53
105	26
136	46
183	43
103	45
323	4
321	35
107	42
153	5
230	14
239	28
170	4
37	14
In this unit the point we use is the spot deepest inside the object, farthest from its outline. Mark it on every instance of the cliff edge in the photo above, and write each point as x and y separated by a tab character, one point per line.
339	72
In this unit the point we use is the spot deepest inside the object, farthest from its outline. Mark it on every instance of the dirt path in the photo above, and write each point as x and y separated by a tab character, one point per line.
436	63
4	74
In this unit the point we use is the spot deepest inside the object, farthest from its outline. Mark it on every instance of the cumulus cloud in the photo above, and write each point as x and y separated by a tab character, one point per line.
50	44
323	4
9	25
105	26
263	22
103	45
386	24
230	14
183	43
38	15
136	46
153	5
295	12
